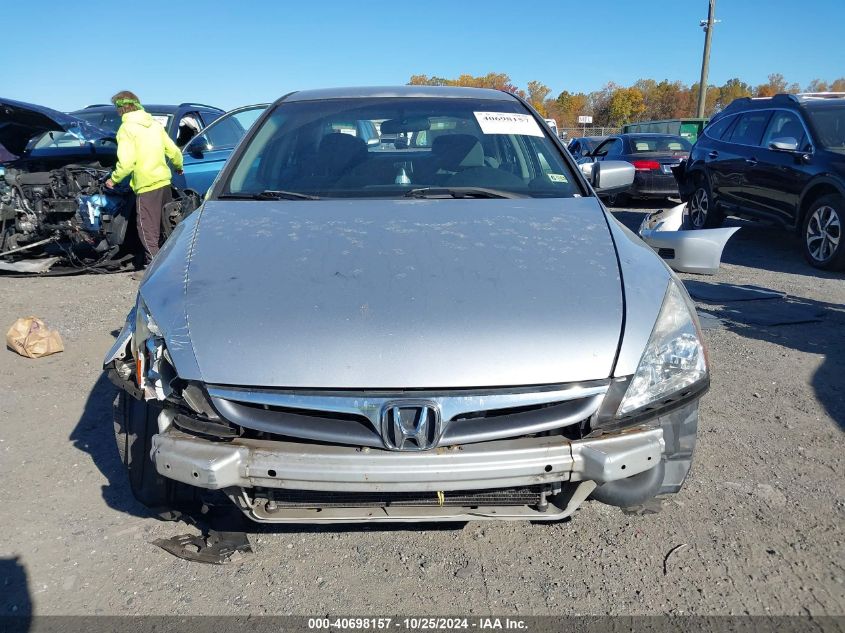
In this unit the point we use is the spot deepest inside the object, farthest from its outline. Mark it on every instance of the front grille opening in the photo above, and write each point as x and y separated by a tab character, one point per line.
282	498
498	413
311	413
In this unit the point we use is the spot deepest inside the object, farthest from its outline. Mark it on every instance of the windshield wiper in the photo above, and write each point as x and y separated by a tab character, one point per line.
270	195
459	192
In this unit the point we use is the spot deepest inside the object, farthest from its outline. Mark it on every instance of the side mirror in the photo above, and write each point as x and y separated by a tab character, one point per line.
197	147
784	144
610	176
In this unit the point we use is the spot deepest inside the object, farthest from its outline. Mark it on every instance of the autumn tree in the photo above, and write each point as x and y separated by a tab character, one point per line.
625	104
537	93
497	81
568	107
646	100
731	90
838	85
775	85
817	85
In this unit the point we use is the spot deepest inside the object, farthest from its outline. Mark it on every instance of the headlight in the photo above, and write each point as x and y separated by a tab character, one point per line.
674	359
154	371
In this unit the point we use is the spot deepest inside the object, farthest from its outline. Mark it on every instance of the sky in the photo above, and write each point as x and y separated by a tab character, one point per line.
250	51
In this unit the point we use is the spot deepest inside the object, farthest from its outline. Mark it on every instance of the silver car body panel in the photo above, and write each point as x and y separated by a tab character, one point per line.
646	278
375	294
695	251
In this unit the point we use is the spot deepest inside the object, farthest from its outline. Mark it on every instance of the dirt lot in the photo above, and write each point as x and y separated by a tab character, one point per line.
761	516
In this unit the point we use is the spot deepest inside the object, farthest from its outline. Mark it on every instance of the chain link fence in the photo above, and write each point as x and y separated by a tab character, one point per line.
589	130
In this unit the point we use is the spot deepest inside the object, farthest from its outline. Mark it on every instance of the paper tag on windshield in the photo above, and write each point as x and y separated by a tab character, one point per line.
160	119
507	123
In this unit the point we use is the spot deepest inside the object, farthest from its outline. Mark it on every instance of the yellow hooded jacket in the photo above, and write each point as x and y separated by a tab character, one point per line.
142	145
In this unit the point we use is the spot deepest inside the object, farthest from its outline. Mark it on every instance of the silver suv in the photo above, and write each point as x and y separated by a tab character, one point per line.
446	325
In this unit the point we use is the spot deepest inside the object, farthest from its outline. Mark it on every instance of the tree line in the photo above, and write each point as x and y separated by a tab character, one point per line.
644	100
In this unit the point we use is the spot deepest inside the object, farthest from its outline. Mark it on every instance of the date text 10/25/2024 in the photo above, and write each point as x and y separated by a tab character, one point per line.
417	624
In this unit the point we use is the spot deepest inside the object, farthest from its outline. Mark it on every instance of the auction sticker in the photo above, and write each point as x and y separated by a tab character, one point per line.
508	123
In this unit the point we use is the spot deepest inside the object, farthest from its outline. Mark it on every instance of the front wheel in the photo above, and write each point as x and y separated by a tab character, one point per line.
135	423
703	212
822	233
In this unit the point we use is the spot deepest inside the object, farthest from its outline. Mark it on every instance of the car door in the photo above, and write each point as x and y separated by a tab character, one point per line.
609	149
734	156
775	178
206	154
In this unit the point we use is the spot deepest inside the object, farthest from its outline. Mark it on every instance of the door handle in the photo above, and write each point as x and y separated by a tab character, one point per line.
751	161
713	154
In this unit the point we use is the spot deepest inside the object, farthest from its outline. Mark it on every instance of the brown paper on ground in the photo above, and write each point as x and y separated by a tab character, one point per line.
31	337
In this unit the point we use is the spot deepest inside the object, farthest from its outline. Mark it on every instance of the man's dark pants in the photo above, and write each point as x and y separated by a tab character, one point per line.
149	208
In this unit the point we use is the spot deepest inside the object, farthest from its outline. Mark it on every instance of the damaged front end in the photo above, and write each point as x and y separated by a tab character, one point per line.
67	213
54	205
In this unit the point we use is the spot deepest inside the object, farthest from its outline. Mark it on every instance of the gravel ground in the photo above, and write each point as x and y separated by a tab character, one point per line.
761	516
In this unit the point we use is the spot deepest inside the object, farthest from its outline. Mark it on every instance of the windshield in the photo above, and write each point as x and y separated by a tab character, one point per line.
668	143
77	135
369	147
830	126
109	120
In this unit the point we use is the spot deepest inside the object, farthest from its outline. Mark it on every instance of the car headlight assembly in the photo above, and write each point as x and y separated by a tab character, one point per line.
672	369
674	358
154	370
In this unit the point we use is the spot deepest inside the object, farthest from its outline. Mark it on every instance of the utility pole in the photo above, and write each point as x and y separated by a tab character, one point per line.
705	62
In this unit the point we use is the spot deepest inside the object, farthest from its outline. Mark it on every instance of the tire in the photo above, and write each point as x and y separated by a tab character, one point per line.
618	200
702	211
821	233
135	423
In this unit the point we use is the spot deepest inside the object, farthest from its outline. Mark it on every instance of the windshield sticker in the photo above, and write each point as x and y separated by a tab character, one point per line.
161	119
557	177
508	123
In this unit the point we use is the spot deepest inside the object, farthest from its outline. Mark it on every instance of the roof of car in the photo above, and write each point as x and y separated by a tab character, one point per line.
149	107
454	92
805	100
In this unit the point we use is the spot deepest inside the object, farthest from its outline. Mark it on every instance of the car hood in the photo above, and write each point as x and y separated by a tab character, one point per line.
20	122
392	294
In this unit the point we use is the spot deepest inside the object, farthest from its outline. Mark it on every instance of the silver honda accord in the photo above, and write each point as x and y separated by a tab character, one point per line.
407	304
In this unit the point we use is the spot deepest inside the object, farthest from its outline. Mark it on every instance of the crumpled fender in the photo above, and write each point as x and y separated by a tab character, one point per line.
693	251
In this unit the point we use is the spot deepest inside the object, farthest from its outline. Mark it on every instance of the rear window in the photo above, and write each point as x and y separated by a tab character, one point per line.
643	144
749	128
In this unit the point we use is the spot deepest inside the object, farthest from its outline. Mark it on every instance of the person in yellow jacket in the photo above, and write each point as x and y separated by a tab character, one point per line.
143	146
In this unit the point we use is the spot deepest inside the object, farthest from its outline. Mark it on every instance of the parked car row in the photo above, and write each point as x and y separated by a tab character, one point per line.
779	159
652	155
